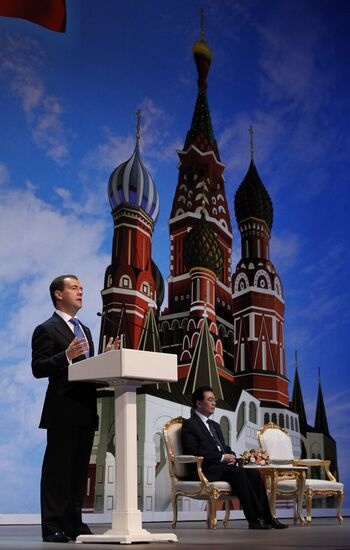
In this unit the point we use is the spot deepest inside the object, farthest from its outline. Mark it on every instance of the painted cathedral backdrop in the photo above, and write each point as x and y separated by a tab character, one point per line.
226	327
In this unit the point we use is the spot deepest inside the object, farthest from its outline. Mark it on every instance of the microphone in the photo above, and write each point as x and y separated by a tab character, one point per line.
104	316
117	325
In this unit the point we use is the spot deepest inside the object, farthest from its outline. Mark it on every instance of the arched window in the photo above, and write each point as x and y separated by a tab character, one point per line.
186	342
252	412
266	418
292	423
145	288
160	452
274	418
281	420
178	212
176	330
194	339
296	425
225	428
191	325
185	356
166	334
287	421
230	341
262	279
125	281
240	418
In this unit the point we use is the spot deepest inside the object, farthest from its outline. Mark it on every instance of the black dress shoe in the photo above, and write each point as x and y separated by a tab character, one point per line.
275	524
259	524
59	536
73	536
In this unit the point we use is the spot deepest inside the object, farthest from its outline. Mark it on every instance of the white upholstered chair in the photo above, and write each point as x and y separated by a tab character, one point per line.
179	475
276	441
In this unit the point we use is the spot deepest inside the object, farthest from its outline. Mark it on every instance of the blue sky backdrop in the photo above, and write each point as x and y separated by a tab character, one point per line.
67	110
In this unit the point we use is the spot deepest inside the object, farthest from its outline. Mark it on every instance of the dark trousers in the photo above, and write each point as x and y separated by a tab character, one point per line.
64	478
247	485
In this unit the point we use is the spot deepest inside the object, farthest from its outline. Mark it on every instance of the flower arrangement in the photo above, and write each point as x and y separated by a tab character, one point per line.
256	456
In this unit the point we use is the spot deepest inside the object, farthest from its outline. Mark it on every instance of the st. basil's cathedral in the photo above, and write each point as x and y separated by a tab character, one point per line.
226	328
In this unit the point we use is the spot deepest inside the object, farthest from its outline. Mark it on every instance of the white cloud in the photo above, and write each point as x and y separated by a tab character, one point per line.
156	143
22	64
35	247
285	250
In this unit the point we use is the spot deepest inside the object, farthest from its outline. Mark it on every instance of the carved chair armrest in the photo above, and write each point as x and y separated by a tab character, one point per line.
192	459
311	462
187	459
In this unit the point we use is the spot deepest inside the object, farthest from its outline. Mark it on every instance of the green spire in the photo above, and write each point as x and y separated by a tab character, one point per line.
149	340
203	370
321	424
297	403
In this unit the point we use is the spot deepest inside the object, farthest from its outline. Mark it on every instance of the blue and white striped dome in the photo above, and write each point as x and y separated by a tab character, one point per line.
131	183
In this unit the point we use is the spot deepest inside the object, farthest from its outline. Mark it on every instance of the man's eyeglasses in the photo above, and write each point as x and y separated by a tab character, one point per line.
211	399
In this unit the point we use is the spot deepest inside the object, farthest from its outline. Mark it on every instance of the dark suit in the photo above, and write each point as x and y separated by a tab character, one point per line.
69	415
246	484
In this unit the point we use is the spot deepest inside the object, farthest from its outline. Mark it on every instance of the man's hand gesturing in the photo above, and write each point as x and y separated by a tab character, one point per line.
77	348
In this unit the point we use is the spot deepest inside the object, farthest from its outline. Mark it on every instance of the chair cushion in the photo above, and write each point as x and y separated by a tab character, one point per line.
323	485
289	485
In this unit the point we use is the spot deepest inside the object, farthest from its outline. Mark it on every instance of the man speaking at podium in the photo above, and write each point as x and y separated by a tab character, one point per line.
69	413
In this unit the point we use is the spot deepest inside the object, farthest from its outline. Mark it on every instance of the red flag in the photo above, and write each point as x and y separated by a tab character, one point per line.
47	13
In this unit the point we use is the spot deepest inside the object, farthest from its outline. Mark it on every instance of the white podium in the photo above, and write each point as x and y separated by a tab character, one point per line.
126	370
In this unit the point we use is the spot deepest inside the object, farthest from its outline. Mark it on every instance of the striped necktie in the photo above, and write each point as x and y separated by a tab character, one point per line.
79	333
215	435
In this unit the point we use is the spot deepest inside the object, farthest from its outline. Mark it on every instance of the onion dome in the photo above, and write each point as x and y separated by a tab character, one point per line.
202	56
201	49
252	200
201	248
131	183
201	133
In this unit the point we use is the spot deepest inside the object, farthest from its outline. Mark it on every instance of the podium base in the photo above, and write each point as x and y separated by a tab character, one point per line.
113	535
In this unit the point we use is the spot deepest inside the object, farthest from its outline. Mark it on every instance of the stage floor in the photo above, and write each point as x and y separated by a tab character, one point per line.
323	534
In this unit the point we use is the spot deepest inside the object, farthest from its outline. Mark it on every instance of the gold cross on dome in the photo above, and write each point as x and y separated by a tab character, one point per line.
202	24
138	126
251	132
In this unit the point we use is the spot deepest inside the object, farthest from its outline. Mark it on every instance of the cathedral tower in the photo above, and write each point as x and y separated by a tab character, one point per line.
258	304
200	179
132	281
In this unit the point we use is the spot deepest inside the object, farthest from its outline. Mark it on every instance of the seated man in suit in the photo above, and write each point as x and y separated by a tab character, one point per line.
201	436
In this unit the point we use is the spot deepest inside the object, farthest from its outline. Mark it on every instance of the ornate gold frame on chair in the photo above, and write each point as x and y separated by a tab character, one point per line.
200	490
311	492
313	487
286	475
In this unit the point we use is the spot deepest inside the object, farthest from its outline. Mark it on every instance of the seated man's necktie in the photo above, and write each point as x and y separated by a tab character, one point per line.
215	435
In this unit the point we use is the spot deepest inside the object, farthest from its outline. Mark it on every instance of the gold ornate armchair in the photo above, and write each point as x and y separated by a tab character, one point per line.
179	474
276	441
